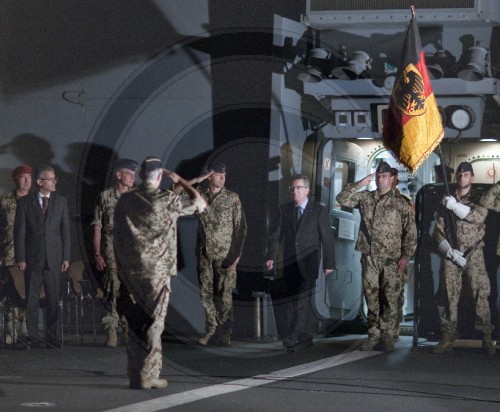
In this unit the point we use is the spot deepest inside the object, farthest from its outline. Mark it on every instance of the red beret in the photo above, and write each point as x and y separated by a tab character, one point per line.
21	170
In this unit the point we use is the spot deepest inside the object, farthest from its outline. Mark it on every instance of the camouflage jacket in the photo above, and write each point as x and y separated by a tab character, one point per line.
145	231
387	223
222	227
469	230
8	204
103	217
491	200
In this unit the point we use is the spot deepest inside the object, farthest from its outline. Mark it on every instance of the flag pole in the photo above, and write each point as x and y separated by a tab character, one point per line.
443	168
449	216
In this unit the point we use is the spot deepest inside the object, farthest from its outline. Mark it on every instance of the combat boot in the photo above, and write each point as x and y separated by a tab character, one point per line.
112	338
388	346
8	339
488	344
224	339
154	383
205	338
369	344
444	346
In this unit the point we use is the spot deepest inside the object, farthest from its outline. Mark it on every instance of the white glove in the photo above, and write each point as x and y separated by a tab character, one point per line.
454	255
459	209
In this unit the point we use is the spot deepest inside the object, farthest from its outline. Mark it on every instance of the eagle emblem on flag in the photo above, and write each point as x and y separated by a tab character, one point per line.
409	93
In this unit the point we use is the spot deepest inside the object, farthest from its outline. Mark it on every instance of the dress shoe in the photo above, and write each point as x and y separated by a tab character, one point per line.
300	345
289	341
34	344
54	344
148	384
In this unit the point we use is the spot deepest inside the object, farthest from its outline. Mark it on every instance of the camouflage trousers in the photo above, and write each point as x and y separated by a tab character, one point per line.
475	276
216	290
382	287
15	325
111	320
13	303
144	305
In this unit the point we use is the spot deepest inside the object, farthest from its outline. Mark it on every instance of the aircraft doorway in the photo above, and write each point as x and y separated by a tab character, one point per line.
339	295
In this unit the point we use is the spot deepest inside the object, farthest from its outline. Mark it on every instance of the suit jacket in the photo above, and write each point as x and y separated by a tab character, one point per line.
303	242
38	238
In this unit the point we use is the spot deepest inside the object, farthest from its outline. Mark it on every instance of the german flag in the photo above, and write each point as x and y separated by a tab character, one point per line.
412	125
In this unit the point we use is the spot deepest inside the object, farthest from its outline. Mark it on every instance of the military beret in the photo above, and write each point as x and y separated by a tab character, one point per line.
21	170
383	167
464	167
126	164
217	167
150	163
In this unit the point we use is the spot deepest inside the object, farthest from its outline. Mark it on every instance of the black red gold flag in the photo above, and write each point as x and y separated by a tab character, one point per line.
412	125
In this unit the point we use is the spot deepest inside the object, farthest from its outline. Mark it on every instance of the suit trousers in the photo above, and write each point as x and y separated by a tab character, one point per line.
299	311
51	282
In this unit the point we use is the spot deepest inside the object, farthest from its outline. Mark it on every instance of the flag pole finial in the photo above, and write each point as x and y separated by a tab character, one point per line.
412	8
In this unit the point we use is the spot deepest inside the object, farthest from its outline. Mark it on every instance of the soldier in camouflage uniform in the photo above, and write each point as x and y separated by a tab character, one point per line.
387	239
406	275
145	239
15	306
103	245
464	258
222	230
491	200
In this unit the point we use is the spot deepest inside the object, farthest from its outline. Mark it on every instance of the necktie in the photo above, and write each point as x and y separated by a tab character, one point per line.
298	213
45	204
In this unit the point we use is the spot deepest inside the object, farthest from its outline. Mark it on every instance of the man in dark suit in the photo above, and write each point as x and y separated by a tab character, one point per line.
42	249
305	231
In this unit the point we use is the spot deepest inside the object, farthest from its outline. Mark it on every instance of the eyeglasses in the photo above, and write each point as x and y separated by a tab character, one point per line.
50	179
293	188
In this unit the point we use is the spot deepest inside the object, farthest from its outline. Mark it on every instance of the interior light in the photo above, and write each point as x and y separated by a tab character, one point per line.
439	63
359	62
318	65
475	66
459	117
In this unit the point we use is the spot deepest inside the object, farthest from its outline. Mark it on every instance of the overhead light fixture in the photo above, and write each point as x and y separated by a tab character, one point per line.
311	75
435	71
439	63
317	67
475	68
488	139
359	62
460	117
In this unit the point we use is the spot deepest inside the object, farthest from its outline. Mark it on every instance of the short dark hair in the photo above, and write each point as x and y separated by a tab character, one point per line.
303	177
40	173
